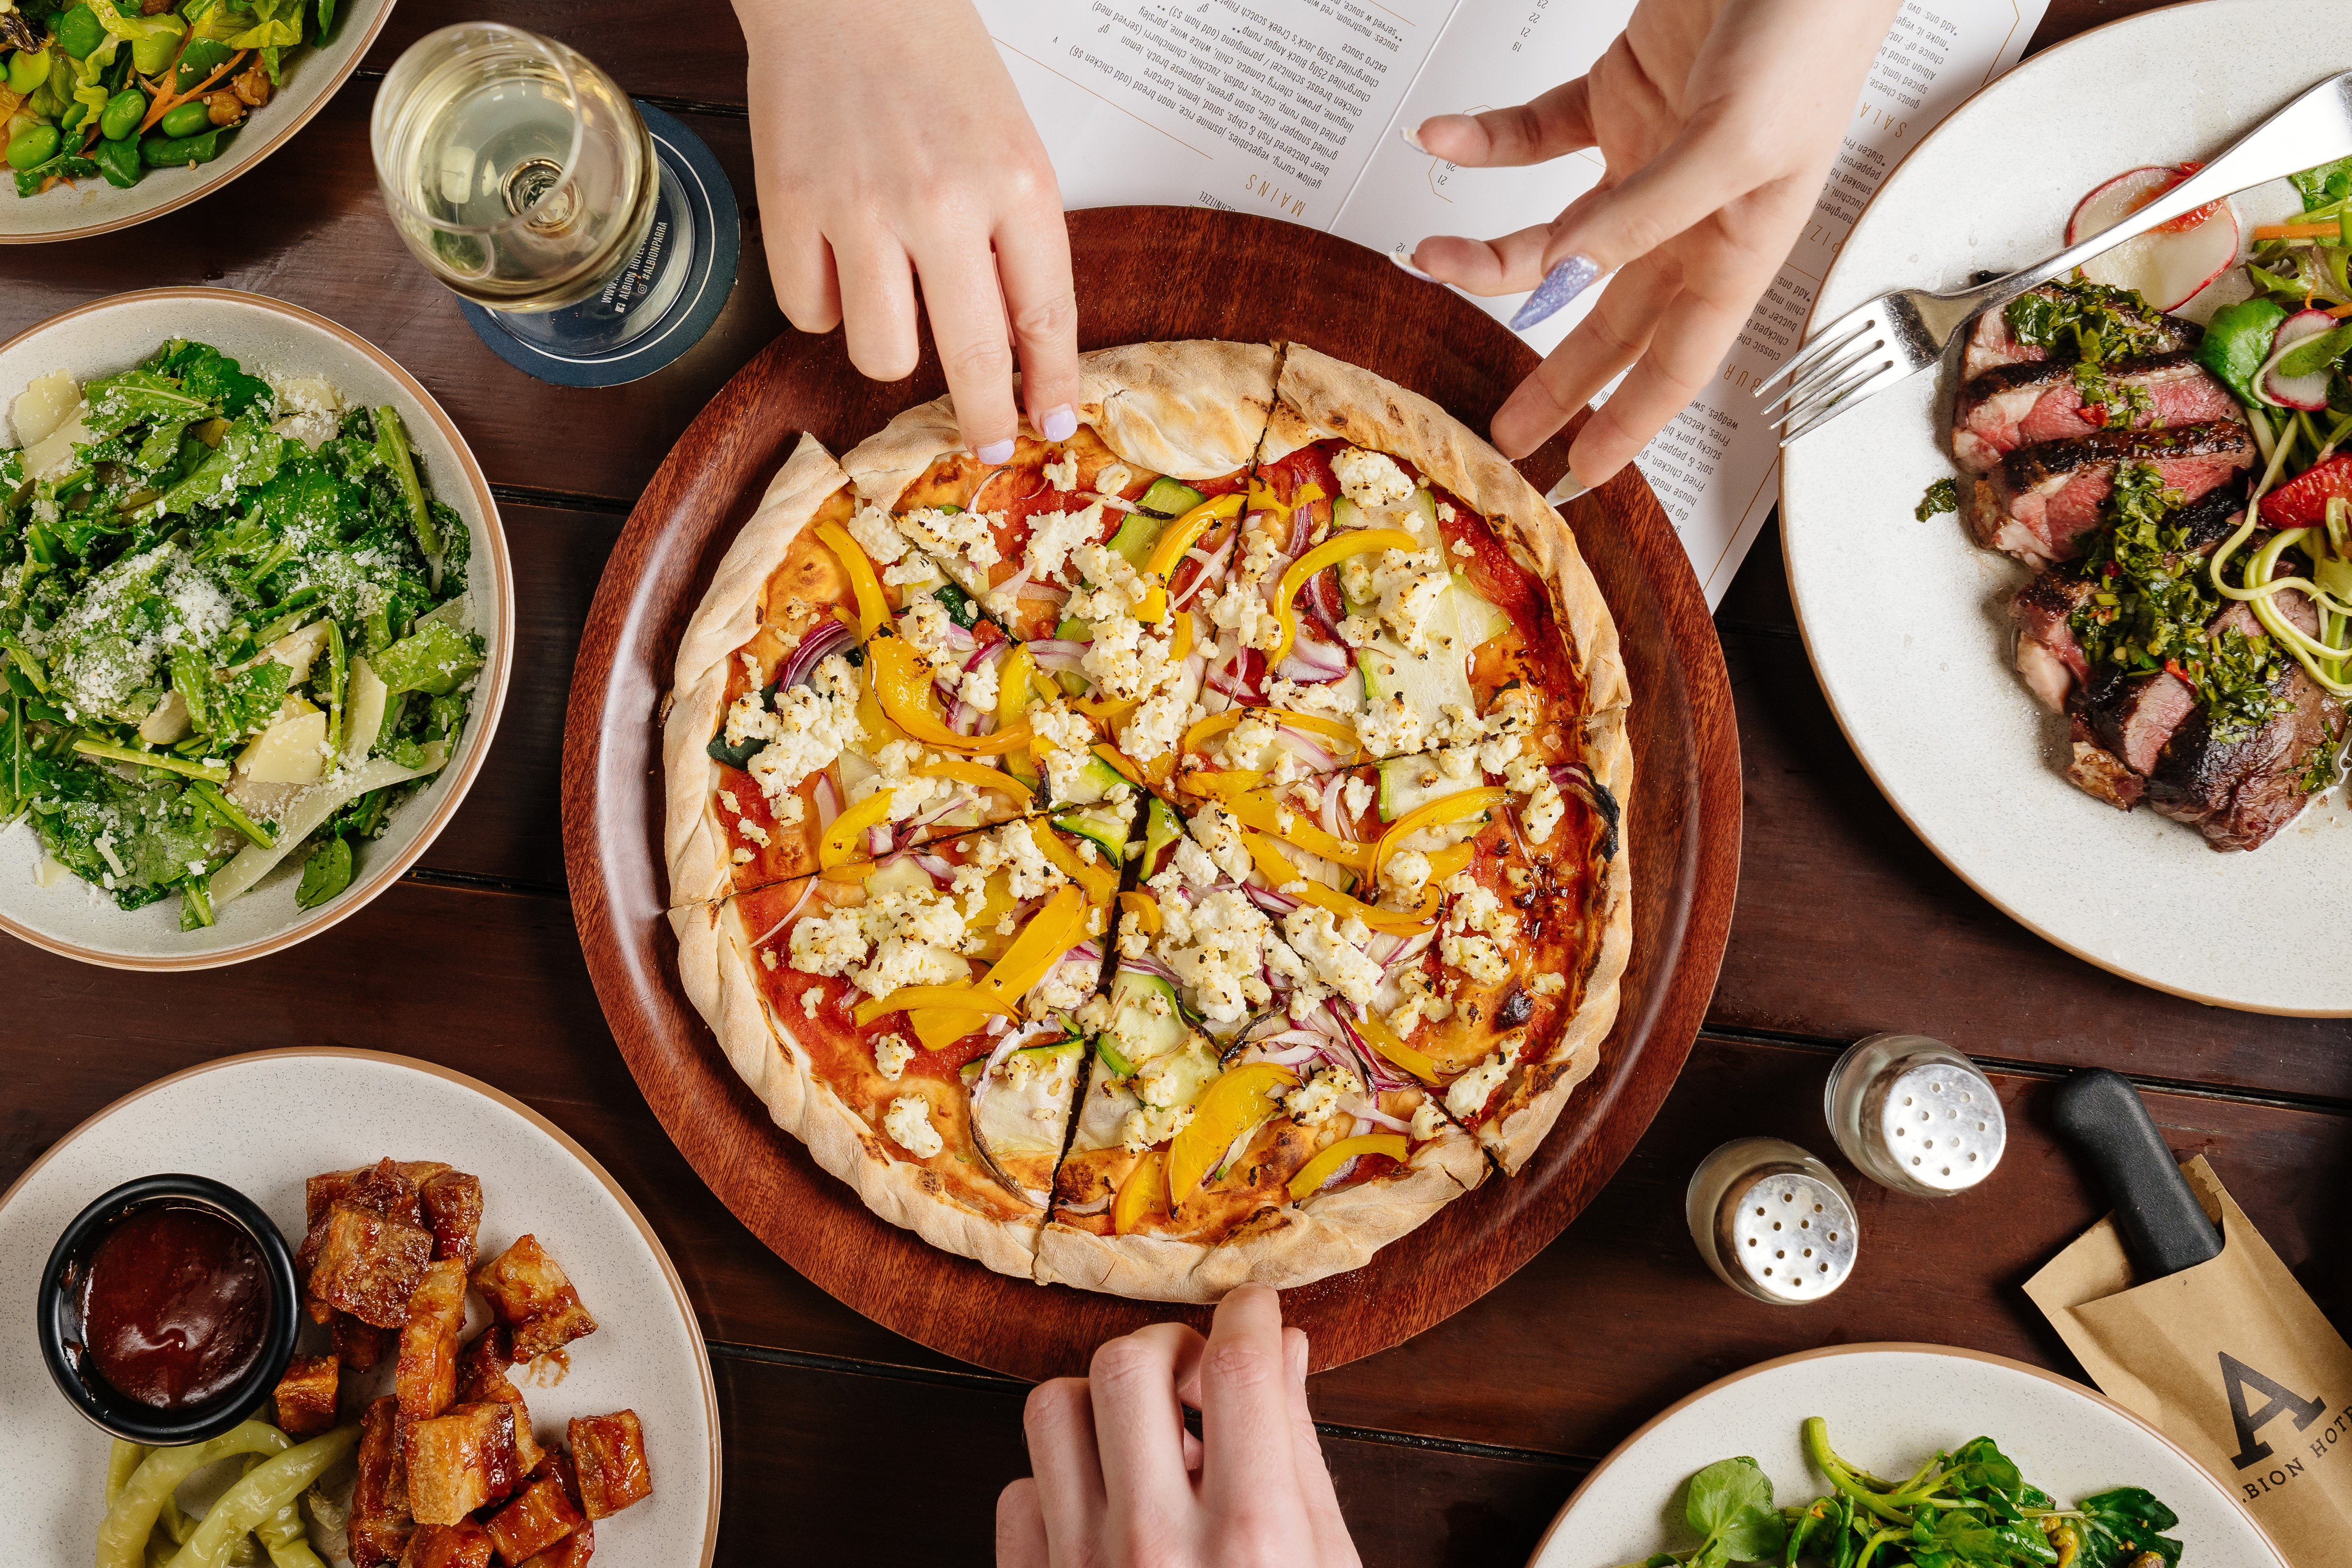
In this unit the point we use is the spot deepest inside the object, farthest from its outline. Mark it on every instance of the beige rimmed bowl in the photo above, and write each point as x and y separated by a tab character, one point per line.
92	206
70	917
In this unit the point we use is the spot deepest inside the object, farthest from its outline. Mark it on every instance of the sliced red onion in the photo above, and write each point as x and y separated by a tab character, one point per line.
1378	1117
964	719
1302	525
1290	1056
942	871
956	636
1013	587
983	654
1052	592
1274	901
828	636
878	841
1331	788
829	801
1311	752
1044	648
1210	568
1323	588
1239	1146
1414	946
1093	1205
808	890
1146	965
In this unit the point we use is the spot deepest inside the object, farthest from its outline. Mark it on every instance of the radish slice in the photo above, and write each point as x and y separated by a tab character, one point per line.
2299	391
2170	264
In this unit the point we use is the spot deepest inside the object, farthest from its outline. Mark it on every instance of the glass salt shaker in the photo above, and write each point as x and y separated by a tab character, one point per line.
1772	1221
1915	1116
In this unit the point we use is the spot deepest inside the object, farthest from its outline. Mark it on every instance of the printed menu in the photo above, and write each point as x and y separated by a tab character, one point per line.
1296	109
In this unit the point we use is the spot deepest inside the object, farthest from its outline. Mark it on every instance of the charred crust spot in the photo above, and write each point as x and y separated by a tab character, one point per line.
929	1180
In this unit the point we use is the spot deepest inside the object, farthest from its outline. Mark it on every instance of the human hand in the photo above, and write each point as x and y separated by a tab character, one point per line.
890	144
1121	1483
1718	119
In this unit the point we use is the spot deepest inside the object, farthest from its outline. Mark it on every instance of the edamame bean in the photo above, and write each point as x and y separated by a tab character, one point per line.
71	120
261	1494
33	145
118	161
122	113
122	1537
151	52
79	31
171	152
185	120
27	68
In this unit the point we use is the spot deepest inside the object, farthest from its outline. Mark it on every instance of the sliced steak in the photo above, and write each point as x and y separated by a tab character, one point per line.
2132	716
2240	791
2049	656
2017	406
2099	775
1990	343
2039	501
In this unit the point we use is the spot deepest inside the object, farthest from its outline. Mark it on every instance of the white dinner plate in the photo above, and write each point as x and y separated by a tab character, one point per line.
1907	622
264	1123
1891	1408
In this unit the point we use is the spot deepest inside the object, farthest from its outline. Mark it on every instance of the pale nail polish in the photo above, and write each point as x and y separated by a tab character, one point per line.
1060	423
995	452
1405	265
1569	277
1569	489
1411	134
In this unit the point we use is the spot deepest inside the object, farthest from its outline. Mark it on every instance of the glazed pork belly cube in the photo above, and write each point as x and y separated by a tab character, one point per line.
380	1524
541	1514
575	1548
609	1452
461	1545
461	1460
452	1202
359	1346
369	1264
482	1375
305	1399
427	1378
533	1298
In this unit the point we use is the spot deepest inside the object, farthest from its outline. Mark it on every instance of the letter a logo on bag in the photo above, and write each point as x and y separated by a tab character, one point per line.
2237	1377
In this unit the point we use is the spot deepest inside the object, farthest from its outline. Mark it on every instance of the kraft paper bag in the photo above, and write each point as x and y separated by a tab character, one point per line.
2231	1360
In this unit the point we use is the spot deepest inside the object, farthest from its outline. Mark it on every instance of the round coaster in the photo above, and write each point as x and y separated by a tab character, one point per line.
659	305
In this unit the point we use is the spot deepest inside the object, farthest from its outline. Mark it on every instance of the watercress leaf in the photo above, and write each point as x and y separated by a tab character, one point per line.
1941	1537
1720	1493
2323	186
141	397
1754	1534
326	874
247	702
2120	1525
2237	341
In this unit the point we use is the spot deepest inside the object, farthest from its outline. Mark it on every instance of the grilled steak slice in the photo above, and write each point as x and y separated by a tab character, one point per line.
2049	656
2238	792
2131	717
2041	501
1990	343
2017	406
2101	776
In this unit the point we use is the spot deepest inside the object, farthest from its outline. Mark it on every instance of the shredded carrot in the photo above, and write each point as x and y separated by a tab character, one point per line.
2298	230
2340	312
164	102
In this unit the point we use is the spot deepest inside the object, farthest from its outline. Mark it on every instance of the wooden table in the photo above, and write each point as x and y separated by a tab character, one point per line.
1456	1446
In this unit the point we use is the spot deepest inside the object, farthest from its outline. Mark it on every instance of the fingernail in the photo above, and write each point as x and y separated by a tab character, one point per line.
1569	489
995	452
1059	423
1569	277
1405	265
1411	134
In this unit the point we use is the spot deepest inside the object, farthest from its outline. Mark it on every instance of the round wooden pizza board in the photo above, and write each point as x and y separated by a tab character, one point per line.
1143	274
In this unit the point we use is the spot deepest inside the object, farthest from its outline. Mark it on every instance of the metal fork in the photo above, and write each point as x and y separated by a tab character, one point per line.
1880	341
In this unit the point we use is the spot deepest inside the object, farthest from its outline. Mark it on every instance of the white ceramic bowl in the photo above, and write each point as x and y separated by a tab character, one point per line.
94	207
263	335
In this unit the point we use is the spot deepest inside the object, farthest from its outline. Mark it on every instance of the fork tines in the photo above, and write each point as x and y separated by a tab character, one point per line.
1834	367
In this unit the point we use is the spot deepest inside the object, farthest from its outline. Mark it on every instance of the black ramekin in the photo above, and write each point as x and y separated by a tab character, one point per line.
107	1407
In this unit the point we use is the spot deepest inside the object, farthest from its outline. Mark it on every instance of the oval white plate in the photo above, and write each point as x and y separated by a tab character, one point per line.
263	335
94	207
1890	1407
263	1123
1908	622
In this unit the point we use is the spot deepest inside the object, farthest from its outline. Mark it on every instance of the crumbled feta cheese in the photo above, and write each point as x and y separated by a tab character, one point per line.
870	526
1467	1094
1411	584
926	623
810	1000
741	856
1241	609
1064	744
1445	514
1155	726
912	934
791	812
768	959
891	1054
1218	955
979	686
908	1123
964	537
1371	479
1388	726
808	729
752	831
1219	832
1420	1001
1334	953
1405	875
1148	1126
1113	480
1356	795
1312	1102
727	798
1054	535
1062	474
1460	547
1113	576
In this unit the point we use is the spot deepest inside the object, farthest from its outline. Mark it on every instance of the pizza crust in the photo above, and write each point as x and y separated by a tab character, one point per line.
1329	1234
694	836
1190	410
715	963
1320	397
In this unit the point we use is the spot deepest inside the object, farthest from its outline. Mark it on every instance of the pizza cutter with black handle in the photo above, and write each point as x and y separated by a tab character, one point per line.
2164	1227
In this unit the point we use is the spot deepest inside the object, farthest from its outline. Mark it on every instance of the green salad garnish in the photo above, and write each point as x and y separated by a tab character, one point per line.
231	626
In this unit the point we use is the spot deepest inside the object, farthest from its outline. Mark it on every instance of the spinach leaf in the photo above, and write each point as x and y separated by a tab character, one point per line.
141	398
1731	1505
960	607
2237	341
433	659
2324	186
326	874
249	454
205	372
1942	495
740	756
2118	1526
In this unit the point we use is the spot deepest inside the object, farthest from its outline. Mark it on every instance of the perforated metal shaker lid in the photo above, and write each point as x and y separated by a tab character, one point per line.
1915	1116
1773	1221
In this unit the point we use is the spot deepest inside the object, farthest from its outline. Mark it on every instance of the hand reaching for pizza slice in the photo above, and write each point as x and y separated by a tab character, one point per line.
1120	1482
891	147
1718	119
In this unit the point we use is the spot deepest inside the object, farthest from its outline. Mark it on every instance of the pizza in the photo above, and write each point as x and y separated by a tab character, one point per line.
1186	854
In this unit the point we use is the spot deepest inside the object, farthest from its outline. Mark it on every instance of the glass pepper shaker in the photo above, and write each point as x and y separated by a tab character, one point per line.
1915	1116
1772	1221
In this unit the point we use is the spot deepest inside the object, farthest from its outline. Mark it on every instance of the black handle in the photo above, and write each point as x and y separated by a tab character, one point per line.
2164	1227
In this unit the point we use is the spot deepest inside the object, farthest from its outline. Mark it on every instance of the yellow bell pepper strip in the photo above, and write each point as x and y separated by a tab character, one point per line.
978	776
939	1028
872	605
1329	729
1273	865
1386	1040
1317	1171
1263	498
1240	1100
1444	862
1100	881
1121	762
1143	1193
1215	724
1051	932
1337	548
1174	540
1260	810
1222	786
906	999
1436	814
1144	910
845	841
900	679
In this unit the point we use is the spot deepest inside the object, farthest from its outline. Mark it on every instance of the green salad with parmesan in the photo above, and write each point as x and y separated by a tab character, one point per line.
234	629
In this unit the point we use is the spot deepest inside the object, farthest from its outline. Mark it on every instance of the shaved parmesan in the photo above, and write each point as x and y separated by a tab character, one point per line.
302	819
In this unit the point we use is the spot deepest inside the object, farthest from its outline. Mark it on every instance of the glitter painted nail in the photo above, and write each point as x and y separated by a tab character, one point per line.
995	452
1406	266
1060	423
1569	277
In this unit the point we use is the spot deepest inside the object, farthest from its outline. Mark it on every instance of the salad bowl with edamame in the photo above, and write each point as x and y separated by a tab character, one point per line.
119	110
254	603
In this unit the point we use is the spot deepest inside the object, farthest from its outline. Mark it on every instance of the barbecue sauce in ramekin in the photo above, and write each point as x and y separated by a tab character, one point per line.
174	1305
